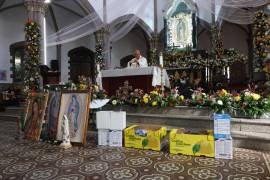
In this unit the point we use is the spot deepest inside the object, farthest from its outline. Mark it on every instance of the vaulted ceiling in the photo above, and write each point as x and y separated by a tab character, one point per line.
59	13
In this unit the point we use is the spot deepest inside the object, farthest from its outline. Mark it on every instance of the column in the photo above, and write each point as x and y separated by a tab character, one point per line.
154	50
36	12
102	36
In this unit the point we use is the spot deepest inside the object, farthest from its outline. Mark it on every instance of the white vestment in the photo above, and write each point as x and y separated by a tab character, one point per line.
142	63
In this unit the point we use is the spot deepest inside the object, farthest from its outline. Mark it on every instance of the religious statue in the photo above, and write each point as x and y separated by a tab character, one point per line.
65	131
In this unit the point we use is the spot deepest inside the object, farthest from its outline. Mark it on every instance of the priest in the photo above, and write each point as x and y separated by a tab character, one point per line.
137	62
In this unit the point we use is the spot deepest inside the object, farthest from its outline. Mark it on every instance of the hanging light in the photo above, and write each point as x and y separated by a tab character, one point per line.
47	1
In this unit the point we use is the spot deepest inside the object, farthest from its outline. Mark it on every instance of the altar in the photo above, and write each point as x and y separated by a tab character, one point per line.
139	78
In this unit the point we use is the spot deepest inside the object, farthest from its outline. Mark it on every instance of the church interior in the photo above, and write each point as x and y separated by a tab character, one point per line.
135	89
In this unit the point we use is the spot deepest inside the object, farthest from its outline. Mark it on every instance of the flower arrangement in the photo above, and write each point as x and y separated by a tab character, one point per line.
199	98
136	97
249	103
98	93
221	102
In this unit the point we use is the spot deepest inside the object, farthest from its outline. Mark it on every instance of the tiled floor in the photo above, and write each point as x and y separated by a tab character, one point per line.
22	159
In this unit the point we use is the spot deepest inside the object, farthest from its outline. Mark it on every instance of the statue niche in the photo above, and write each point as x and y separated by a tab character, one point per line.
81	62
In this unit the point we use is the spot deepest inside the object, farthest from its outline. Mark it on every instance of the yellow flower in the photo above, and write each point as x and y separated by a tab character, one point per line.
255	96
154	103
224	92
154	92
181	98
96	88
145	100
237	98
82	86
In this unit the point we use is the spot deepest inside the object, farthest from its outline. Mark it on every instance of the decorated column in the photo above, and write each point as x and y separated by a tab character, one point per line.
36	12
261	39
154	50
103	49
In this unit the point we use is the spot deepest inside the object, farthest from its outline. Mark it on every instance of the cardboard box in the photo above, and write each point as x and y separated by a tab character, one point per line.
224	148
114	120
116	138
222	126
118	120
191	143
103	137
103	119
154	138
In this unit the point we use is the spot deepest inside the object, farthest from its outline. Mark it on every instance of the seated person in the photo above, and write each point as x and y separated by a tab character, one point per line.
138	61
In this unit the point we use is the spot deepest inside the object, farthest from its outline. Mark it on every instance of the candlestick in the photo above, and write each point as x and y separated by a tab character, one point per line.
161	59
98	67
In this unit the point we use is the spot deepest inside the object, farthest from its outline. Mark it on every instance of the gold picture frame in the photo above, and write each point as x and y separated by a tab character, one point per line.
75	105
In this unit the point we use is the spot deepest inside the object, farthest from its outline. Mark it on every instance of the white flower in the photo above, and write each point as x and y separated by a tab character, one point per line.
220	102
247	93
114	102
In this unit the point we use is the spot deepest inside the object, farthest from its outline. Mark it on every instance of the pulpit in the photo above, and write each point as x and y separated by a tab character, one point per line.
139	78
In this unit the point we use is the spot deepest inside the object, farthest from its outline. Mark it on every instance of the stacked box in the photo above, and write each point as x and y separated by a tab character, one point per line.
223	139
224	148
192	143
115	138
154	137
103	137
110	125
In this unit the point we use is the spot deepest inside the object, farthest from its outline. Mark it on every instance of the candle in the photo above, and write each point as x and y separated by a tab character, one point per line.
161	59
98	67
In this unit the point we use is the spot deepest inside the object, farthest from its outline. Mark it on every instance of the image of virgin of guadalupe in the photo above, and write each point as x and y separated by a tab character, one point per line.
53	115
73	114
33	124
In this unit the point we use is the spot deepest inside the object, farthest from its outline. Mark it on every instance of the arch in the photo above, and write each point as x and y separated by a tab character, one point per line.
81	62
141	23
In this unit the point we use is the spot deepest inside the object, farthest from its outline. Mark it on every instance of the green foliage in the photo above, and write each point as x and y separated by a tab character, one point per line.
196	148
32	59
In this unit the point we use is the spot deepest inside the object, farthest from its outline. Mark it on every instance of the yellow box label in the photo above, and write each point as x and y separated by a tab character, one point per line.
152	141
192	144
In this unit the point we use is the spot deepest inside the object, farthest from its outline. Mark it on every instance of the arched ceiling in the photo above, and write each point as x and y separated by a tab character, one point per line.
59	13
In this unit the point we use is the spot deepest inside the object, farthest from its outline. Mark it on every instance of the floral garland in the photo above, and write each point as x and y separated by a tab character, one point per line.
99	59
32	62
175	59
261	38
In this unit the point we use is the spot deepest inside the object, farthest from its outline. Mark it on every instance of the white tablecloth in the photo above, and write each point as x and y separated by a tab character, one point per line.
98	103
155	71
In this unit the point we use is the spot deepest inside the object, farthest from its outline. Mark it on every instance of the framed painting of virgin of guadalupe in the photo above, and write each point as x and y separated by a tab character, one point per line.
75	106
51	118
34	116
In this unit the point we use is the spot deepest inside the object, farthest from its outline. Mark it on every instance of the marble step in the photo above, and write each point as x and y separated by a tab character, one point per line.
183	110
8	117
251	140
198	122
14	110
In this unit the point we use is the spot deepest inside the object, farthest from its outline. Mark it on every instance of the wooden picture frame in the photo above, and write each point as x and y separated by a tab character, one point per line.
75	105
34	116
